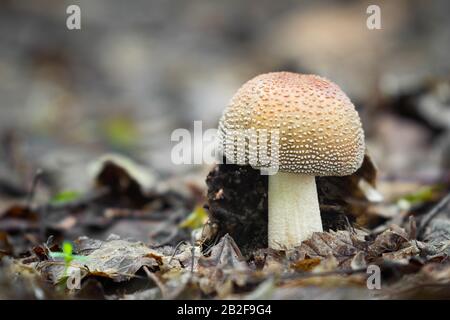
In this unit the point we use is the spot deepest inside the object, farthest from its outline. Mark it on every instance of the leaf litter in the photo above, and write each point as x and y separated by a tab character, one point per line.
187	251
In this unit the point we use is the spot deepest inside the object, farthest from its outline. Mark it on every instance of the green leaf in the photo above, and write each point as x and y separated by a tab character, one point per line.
62	255
66	254
67	248
196	219
120	131
65	196
57	255
424	194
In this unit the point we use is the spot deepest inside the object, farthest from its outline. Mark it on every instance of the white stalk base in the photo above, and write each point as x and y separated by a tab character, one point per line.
294	212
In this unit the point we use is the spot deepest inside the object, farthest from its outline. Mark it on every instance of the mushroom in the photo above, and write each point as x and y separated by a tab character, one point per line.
319	134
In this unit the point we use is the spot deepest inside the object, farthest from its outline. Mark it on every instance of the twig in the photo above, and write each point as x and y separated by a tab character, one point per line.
432	213
209	247
412	228
43	213
192	259
222	247
192	254
131	214
351	230
43	224
323	274
71	205
176	250
37	176
156	280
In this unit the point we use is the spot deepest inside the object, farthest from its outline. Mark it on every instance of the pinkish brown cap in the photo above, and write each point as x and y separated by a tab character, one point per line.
320	132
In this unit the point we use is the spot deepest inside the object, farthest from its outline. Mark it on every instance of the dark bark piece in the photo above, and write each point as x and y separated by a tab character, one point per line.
238	202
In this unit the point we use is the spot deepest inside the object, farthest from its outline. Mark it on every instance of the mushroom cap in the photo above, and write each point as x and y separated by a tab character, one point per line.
318	130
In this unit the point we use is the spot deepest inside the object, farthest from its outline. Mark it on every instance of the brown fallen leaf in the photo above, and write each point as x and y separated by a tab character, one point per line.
306	264
225	269
354	251
352	194
18	211
403	254
431	282
342	245
116	259
225	255
5	246
388	241
331	280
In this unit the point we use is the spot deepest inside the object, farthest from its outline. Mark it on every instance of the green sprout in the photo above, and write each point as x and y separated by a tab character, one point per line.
67	255
64	197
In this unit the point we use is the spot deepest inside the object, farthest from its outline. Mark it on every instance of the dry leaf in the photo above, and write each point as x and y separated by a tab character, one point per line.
116	259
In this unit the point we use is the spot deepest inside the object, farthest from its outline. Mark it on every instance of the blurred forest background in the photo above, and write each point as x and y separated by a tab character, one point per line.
138	70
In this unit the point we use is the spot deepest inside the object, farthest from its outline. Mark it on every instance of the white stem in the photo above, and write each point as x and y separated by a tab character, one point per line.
294	212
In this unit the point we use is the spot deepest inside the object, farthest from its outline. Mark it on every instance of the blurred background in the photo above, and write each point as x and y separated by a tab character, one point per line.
138	70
